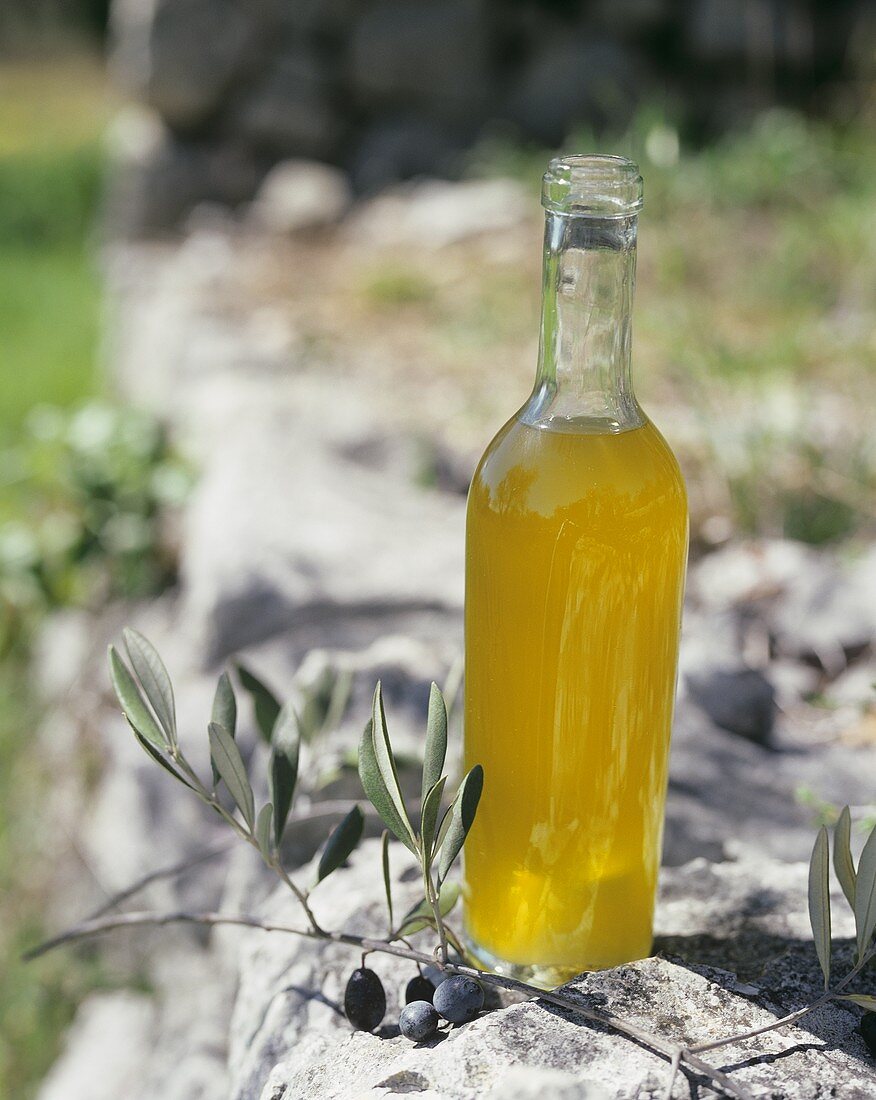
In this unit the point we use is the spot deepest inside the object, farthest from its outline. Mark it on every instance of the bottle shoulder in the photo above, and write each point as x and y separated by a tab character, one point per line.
543	468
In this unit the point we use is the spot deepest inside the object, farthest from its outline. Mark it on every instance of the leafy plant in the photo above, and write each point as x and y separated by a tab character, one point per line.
146	696
83	513
436	846
144	690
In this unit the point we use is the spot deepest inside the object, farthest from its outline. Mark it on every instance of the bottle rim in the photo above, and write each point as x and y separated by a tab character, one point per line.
594	185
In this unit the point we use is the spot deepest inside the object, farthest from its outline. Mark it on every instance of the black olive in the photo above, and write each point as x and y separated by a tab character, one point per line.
419	989
364	999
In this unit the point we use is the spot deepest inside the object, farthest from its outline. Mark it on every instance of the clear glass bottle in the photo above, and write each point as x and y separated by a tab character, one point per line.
576	549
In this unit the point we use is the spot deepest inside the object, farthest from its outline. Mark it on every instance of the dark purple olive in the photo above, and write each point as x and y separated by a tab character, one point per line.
364	999
418	1021
419	989
459	999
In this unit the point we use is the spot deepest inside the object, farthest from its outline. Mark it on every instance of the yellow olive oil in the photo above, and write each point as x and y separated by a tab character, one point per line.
576	550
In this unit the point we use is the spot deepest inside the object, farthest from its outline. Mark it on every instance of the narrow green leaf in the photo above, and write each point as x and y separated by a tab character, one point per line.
420	916
442	830
286	739
324	702
225	705
263	830
342	841
387	879
340	697
819	901
375	789
435	751
429	822
159	759
865	894
453	684
133	704
229	763
386	761
863	1000
843	863
154	680
448	896
224	711
267	707
462	815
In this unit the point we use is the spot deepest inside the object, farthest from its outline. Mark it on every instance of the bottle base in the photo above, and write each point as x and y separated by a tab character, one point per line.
542	976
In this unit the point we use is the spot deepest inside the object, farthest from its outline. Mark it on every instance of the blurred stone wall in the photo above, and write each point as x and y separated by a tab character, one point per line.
389	89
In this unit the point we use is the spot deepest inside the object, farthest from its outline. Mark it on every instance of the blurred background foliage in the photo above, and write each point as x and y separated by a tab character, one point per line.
83	483
755	314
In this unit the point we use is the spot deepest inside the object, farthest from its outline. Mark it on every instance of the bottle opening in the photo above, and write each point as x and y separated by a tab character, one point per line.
592	185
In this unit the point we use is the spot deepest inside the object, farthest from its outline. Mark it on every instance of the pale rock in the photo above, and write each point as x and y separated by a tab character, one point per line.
301	194
432	214
169	1045
103	1050
811	603
528	1083
749	917
856	687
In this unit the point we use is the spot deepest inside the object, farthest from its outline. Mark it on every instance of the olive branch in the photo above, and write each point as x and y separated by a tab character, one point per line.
145	693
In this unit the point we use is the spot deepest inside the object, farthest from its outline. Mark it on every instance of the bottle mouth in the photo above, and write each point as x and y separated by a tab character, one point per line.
592	185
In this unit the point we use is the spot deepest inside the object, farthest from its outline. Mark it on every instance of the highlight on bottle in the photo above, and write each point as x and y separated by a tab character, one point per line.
592	185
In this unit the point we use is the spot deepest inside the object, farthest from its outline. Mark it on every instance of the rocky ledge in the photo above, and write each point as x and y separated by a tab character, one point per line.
734	954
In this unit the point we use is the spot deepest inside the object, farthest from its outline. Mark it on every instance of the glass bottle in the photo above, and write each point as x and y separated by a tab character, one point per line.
576	547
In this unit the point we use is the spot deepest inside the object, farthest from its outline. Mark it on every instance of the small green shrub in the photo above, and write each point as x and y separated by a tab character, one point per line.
83	517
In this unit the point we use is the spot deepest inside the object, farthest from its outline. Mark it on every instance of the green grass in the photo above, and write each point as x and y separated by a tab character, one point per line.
51	116
49	319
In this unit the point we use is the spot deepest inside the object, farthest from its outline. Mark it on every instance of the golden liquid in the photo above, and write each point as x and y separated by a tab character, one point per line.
576	551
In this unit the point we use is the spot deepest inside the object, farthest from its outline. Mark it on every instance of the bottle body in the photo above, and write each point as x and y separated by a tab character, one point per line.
576	544
576	547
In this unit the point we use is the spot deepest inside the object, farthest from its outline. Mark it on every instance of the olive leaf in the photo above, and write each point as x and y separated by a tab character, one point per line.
339	698
843	863
159	759
226	756
429	821
442	831
387	880
865	894
863	1000
323	704
341	843
379	778
286	742
461	816
263	830
267	707
819	901
420	916
436	741
133	704
224	711
453	684
383	755
154	680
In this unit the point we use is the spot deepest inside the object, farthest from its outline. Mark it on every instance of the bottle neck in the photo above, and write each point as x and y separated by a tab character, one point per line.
583	379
